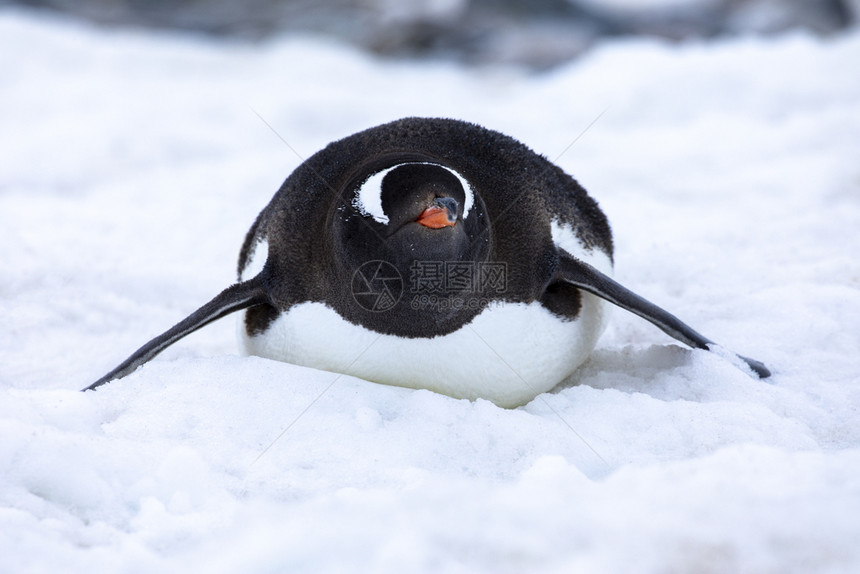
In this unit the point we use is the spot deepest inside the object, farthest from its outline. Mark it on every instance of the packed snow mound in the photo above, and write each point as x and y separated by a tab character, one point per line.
132	167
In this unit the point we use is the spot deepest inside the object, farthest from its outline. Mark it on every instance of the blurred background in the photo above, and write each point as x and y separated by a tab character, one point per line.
537	34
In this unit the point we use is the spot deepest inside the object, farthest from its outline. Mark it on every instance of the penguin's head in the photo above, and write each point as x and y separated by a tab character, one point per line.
425	206
415	211
411	216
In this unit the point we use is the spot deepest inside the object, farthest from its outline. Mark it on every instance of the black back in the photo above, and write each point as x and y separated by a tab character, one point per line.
318	239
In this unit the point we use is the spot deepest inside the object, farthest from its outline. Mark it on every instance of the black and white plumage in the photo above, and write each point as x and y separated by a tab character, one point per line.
428	253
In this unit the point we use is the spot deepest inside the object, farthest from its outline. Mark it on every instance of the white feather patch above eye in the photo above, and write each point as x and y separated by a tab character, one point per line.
368	197
256	260
564	238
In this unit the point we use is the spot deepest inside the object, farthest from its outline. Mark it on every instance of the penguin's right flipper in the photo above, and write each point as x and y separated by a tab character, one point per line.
235	298
580	274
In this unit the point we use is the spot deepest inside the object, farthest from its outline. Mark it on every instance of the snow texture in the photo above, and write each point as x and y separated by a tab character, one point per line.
133	164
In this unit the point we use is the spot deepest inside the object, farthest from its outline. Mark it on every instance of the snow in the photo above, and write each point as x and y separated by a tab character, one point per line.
644	6
132	166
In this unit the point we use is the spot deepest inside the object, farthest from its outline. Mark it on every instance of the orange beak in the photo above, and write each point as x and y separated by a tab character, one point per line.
436	217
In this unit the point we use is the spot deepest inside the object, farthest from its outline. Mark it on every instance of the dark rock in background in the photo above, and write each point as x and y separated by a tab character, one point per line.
538	34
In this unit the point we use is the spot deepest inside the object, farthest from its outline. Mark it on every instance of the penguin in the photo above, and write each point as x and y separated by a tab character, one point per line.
429	253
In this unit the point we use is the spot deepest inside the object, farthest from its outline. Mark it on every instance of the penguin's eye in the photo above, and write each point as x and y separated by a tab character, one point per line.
368	197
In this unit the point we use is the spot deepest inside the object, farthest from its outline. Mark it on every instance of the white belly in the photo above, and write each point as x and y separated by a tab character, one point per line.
508	354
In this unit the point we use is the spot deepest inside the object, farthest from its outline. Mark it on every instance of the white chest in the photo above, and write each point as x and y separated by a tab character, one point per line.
508	354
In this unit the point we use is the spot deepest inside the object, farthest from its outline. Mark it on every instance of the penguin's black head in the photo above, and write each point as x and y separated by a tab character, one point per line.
413	217
426	194
414	211
424	205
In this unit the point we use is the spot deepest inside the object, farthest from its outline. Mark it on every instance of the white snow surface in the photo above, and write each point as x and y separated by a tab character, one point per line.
132	165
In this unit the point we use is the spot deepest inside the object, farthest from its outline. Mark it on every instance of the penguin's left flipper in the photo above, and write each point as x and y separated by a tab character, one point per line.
580	274
234	298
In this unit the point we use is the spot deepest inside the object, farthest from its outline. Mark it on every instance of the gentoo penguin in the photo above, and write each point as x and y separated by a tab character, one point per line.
428	253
